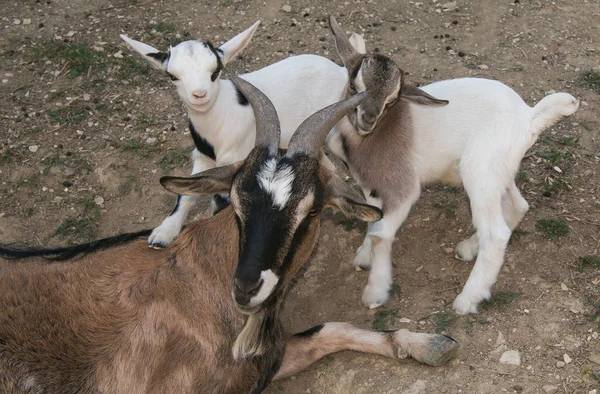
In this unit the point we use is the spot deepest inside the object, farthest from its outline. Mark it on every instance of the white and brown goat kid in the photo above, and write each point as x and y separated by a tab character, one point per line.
401	137
125	318
221	121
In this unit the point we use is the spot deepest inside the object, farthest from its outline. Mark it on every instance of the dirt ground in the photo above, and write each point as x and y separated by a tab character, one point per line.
88	128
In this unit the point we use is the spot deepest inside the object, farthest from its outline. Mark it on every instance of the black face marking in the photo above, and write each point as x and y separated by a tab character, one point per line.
374	193
242	100
176	206
217	52
160	56
310	332
220	201
202	144
173	77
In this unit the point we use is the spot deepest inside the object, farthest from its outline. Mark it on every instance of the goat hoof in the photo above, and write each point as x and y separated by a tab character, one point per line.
375	296
464	251
439	350
465	304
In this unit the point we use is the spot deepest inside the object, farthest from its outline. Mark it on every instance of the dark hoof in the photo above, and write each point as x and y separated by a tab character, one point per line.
157	245
439	351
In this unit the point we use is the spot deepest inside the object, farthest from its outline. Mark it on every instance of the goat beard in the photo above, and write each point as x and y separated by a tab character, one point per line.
260	332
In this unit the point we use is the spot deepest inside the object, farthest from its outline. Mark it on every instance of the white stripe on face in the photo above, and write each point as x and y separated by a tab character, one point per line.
269	281
277	184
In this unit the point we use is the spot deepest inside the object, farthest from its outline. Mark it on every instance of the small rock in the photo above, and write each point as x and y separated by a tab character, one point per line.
511	357
69	171
518	388
286	8
79	132
99	200
151	141
483	67
449	6
71	33
27	21
33	148
86	97
549	389
404	320
500	340
563	287
560	364
448	250
16	22
567	358
118	55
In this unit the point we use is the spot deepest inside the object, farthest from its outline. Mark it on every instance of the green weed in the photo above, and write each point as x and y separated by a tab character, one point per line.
79	57
553	228
588	261
500	300
589	79
67	114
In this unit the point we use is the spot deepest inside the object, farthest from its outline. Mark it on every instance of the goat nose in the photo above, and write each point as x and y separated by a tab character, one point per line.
245	290
368	119
199	93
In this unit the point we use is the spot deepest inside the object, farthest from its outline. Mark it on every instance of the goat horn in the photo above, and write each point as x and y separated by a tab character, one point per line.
267	123
310	135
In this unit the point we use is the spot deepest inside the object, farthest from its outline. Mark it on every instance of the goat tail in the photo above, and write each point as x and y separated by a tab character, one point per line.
550	110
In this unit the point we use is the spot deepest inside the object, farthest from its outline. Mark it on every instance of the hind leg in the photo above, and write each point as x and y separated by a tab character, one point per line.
493	234
381	237
514	207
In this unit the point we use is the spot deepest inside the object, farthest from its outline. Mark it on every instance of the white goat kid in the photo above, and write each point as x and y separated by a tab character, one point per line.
402	137
221	121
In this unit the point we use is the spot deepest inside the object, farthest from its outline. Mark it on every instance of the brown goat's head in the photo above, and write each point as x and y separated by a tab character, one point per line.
380	76
277	199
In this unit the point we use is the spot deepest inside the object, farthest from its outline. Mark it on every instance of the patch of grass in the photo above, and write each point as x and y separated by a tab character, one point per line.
558	158
132	182
79	57
522	175
89	207
443	320
57	94
569	141
74	229
6	157
556	183
67	114
173	158
30	180
517	234
500	300
595	304
130	67
135	146
470	322
165	27
552	228
585	261
384	319
395	290
446	207
589	79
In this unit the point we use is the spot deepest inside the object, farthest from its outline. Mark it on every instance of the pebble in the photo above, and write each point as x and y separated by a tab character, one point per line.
404	320
99	200
563	287
448	250
33	148
86	97
549	389
518	388
500	340
71	33
118	55
27	21
151	141
286	8
16	22
567	358
483	67
511	357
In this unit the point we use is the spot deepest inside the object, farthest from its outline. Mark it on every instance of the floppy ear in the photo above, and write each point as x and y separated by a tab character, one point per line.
350	56
157	58
342	197
214	180
234	46
358	43
415	95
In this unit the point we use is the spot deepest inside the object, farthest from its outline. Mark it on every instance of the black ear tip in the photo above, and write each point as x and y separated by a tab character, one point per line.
164	180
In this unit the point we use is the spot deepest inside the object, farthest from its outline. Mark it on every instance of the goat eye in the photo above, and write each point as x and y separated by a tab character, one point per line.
313	213
173	77
215	75
352	87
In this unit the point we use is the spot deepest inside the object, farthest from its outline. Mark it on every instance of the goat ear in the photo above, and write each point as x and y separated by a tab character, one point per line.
157	58
344	198
349	55
358	43
415	95
234	46
214	180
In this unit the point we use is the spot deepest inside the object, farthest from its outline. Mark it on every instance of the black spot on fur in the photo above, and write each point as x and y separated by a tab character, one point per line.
160	56
374	193
217	52
58	254
176	206
310	332
220	202
242	100
202	145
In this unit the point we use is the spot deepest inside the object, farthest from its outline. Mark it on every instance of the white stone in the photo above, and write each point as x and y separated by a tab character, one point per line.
27	21
286	8
404	320
483	66
86	97
71	33
99	200
563	287
511	357
567	358
151	141
549	389
33	148
118	55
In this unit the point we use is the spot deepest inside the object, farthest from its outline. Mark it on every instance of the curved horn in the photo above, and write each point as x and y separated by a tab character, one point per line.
267	122
310	135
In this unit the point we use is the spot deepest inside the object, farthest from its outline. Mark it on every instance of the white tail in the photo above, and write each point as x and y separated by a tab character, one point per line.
550	109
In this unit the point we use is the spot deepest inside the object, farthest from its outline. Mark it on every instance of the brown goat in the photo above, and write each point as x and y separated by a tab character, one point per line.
129	319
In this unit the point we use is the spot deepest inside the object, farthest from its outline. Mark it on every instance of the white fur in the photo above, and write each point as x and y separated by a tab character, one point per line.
269	281
298	87
277	183
478	141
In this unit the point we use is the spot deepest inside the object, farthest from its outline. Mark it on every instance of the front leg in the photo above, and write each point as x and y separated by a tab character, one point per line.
305	348
163	235
382	235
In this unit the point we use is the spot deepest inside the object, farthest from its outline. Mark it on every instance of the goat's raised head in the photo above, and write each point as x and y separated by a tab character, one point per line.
379	75
277	199
195	66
